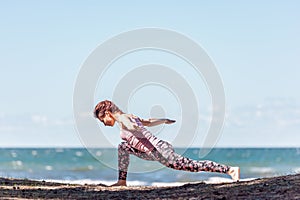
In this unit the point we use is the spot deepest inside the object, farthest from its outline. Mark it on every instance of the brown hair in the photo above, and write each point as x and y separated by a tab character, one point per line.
103	106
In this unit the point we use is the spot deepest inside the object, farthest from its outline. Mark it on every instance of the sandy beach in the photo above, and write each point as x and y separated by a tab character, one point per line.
281	187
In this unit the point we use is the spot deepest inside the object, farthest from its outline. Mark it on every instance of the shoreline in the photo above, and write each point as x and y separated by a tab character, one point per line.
281	187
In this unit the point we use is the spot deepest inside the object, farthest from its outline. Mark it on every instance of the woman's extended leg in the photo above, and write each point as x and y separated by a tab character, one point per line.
179	162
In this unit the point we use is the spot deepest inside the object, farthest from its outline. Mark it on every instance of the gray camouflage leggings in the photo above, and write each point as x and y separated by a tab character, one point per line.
164	153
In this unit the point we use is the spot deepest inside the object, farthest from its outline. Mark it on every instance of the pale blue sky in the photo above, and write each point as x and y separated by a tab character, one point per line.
255	46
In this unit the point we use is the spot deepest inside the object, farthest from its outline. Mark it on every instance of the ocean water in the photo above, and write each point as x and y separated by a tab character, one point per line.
78	165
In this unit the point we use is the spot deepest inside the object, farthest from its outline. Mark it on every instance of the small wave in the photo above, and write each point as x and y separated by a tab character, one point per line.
48	167
79	153
17	164
262	170
34	153
59	150
14	154
98	153
82	169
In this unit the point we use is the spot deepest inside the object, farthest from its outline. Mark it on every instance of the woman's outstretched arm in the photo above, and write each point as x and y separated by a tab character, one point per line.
155	122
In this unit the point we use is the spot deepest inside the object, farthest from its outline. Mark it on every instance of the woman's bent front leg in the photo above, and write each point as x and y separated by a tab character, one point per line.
123	160
124	151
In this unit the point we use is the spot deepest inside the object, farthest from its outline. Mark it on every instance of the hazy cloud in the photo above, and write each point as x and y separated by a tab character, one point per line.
12	123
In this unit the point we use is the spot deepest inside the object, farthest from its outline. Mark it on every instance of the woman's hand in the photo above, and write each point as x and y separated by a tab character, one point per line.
169	121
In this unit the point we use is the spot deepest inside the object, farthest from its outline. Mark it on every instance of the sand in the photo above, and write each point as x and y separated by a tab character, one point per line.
281	187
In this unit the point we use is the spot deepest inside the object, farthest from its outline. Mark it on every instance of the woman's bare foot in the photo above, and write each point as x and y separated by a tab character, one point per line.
234	172
119	183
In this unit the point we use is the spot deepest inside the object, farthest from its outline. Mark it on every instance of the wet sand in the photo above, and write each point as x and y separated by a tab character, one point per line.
282	187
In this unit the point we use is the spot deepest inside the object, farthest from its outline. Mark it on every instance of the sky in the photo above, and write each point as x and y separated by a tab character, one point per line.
255	46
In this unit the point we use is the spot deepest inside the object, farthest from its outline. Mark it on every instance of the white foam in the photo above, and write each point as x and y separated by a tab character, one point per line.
296	170
80	181
163	184
212	180
94	182
105	182
136	183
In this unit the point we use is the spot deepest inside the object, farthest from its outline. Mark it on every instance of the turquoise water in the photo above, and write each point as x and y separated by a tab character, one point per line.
73	164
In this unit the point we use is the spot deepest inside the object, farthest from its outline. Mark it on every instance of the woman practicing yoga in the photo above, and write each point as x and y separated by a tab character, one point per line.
141	143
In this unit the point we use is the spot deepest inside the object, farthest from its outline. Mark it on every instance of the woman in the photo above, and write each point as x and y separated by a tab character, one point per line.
141	143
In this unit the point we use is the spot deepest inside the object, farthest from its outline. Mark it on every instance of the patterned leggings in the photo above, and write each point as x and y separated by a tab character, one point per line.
164	153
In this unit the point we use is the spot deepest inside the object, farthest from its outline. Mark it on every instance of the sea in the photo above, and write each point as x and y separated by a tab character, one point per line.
99	166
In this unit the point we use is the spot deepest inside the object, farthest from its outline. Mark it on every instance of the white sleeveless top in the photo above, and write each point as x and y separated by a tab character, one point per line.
140	139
